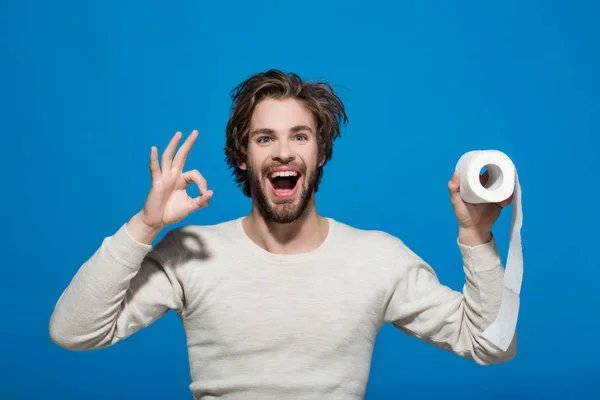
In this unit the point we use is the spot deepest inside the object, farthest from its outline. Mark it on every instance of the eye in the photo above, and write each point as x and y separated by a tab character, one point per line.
300	137
263	139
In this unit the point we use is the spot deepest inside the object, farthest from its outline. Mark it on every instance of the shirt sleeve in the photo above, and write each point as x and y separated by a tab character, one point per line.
123	287
419	305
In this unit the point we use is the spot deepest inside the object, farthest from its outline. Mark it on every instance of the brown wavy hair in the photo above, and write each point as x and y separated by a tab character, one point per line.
318	97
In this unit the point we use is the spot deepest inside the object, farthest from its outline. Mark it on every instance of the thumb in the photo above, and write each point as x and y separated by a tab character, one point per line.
454	187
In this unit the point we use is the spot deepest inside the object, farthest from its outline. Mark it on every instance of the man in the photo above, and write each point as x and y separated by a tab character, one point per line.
282	303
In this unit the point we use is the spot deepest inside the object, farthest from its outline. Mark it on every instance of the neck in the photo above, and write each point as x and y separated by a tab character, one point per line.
300	236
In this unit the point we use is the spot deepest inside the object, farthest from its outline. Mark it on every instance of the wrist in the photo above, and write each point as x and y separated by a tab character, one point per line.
473	237
140	231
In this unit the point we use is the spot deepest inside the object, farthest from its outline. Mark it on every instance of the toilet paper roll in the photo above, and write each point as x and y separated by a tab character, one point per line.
503	182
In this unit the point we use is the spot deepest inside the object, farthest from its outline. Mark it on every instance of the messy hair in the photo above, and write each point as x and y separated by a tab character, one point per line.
318	97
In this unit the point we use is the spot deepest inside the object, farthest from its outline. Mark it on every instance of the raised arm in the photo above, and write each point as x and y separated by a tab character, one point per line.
419	305
127	284
124	286
455	321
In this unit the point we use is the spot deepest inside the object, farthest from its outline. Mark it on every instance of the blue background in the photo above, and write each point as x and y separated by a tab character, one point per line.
88	88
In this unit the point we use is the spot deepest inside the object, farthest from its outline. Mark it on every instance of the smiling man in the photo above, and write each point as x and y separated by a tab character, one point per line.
282	303
283	164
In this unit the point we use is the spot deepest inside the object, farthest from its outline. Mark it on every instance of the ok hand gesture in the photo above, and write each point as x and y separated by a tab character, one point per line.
168	202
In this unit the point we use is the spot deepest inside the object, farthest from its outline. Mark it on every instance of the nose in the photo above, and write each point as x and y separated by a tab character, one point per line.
283	152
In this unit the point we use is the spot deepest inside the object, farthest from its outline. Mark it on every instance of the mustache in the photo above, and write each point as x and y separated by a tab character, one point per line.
265	170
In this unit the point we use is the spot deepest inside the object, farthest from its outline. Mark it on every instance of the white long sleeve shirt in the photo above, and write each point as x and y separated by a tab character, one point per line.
272	326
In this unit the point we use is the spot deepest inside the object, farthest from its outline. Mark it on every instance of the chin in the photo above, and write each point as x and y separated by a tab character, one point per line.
283	208
283	194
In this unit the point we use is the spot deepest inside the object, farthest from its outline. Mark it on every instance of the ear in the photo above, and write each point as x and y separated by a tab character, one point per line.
322	162
242	166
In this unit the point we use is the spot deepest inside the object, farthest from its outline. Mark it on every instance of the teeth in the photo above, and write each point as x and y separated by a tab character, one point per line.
284	173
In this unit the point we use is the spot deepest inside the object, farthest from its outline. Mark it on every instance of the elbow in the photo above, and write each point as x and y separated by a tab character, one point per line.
70	341
62	339
492	355
68	336
61	335
496	357
62	329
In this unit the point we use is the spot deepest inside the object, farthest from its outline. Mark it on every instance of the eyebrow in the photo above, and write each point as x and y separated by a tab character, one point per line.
299	128
268	131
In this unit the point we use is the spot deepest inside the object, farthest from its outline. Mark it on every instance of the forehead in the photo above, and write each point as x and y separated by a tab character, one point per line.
280	114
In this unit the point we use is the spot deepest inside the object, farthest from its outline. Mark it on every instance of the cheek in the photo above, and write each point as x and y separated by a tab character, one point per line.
314	162
254	159
309	153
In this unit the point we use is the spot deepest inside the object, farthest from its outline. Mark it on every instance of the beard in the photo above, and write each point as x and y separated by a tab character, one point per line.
286	211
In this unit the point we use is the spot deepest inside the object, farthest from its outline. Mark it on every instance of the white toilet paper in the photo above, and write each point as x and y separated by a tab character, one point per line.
502	183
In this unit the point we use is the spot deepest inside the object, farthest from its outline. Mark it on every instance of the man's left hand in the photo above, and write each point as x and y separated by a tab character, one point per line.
475	221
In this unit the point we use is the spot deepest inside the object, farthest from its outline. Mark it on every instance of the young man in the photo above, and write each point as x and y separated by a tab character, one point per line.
282	303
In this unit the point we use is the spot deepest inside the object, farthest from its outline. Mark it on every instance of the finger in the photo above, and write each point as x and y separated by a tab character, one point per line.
201	201
454	188
169	151
184	150
454	184
205	195
154	167
196	177
506	202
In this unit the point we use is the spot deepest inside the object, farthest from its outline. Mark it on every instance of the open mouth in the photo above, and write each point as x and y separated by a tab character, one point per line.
284	183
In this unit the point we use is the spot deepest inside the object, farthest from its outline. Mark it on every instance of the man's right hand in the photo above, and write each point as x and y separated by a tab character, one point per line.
168	201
